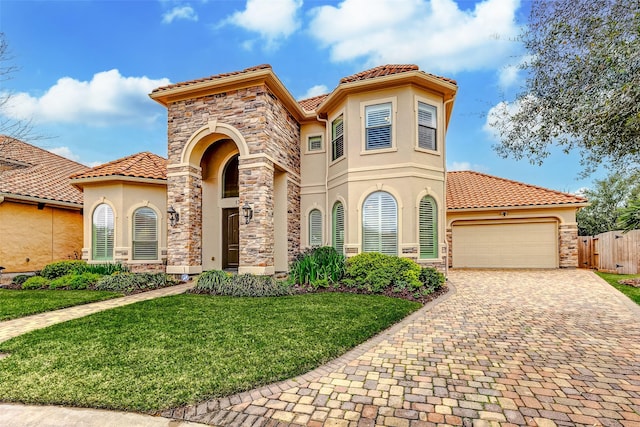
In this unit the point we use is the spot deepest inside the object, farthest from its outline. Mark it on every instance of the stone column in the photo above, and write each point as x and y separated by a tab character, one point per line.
184	240
568	245
450	247
256	238
293	218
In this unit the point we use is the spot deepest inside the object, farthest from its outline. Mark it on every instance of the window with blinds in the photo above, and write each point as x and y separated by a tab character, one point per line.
378	126
338	227
428	228
427	126
315	228
102	233
380	224
145	234
315	143
337	138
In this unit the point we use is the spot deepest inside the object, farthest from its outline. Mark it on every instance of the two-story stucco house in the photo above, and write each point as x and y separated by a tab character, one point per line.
253	176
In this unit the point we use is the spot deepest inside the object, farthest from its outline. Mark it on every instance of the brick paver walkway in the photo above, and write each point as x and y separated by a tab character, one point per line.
538	348
15	327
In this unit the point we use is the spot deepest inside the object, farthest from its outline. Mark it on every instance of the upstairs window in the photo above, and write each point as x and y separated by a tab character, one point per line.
337	138
315	143
427	126
315	228
145	234
428	228
102	233
378	126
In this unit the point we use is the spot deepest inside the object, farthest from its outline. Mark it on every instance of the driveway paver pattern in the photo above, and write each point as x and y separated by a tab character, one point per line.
537	348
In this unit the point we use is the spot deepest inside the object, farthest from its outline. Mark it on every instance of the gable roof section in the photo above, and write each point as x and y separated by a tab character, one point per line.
475	190
387	70
144	166
211	78
31	173
311	104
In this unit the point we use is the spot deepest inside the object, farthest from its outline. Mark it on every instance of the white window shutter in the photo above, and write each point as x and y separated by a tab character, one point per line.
337	138
380	224
102	236
428	228
145	234
315	228
338	227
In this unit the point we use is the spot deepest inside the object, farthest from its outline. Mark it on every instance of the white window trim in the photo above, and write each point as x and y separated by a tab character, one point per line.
344	137
398	211
363	125
95	206
439	127
160	219
322	144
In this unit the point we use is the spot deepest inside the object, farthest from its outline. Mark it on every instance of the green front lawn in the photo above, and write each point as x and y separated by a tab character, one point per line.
187	348
630	291
17	303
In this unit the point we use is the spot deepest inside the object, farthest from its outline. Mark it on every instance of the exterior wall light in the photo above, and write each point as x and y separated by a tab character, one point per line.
174	216
247	212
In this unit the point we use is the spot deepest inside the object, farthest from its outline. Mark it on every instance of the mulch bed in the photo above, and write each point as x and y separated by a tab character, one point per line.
631	282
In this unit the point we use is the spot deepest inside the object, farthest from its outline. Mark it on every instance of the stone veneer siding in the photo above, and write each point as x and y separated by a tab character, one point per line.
568	246
268	128
293	218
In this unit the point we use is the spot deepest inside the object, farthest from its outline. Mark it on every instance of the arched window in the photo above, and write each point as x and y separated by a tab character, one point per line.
380	224
102	233
145	234
315	228
428	228
230	187
338	227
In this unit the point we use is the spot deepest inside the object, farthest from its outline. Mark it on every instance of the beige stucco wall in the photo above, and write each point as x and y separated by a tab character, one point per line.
124	198
405	171
31	238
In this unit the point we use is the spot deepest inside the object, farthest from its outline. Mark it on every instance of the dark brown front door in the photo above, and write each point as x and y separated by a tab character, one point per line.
230	238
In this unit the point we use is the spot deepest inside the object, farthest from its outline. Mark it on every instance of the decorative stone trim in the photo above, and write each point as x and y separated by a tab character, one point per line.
568	245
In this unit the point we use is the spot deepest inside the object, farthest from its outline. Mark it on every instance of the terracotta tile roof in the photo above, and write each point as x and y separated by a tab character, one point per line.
140	165
26	170
211	78
311	104
468	189
388	69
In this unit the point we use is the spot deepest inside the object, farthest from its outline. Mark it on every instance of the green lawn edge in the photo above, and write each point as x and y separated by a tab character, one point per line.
613	279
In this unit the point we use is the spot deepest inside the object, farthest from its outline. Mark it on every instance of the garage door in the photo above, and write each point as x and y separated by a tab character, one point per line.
505	245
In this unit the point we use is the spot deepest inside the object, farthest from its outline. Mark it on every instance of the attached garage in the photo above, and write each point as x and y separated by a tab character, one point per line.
505	245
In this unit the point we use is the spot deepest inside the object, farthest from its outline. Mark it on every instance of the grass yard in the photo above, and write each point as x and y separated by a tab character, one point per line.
187	348
17	303
630	291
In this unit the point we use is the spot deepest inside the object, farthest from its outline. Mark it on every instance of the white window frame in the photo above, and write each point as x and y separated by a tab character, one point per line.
315	227
436	125
363	119
376	223
111	231
308	148
135	239
344	145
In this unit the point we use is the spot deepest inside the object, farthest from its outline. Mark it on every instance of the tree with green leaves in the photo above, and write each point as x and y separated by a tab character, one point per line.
629	218
608	198
583	85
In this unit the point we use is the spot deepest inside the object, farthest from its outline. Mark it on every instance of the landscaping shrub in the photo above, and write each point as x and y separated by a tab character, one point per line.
62	268
217	282
36	282
318	267
134	282
75	281
20	279
431	278
376	272
106	269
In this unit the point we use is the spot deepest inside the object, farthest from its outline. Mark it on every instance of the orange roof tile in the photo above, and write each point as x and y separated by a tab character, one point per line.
386	70
311	104
210	78
140	165
29	171
469	189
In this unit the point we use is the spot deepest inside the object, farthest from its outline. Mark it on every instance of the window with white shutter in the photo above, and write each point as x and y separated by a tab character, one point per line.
338	227
315	228
380	224
427	126
102	233
428	228
145	234
337	138
315	143
378	126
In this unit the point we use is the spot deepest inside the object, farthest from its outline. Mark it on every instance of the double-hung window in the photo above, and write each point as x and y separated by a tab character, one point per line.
378	126
337	138
427	127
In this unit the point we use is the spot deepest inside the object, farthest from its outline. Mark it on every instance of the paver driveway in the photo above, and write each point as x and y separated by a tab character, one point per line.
554	347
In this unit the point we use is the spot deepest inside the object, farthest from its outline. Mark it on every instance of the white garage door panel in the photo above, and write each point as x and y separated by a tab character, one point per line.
515	245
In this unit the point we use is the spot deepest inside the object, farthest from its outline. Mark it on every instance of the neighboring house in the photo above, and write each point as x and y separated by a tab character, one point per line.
126	205
40	211
254	176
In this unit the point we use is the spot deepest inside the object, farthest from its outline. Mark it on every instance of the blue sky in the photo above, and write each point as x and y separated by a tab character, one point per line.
86	67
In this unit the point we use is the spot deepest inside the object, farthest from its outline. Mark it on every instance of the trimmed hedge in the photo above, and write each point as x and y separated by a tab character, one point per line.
375	272
36	282
63	268
134	282
217	282
75	281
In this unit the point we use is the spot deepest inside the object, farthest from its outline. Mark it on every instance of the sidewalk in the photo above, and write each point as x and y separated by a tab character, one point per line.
12	328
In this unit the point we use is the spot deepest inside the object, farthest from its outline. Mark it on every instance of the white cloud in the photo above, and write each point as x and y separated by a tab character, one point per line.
466	166
501	113
109	98
272	19
510	75
435	34
315	91
65	152
179	12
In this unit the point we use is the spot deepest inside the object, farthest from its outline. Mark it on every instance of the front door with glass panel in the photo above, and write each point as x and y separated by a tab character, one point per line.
230	238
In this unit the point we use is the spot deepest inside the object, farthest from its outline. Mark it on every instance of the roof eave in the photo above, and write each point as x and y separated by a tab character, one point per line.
81	182
33	199
520	207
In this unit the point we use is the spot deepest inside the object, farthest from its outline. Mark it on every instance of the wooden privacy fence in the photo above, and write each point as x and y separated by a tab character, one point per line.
612	252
